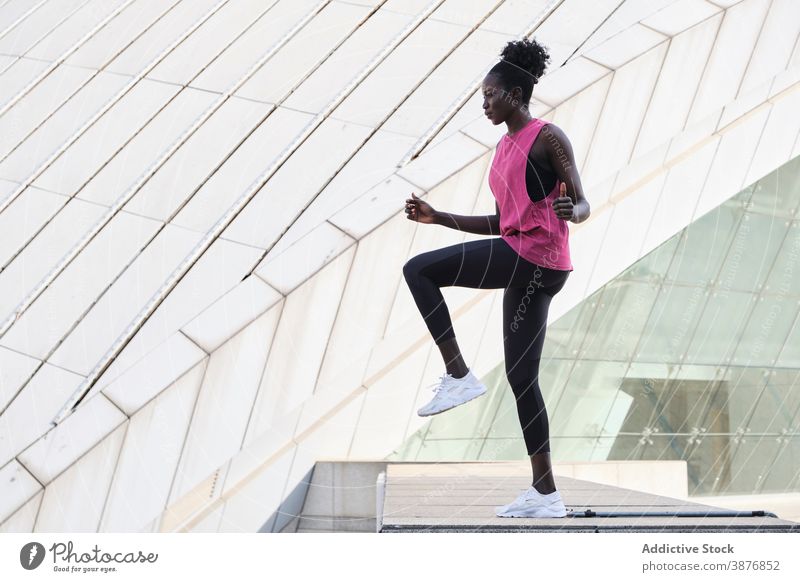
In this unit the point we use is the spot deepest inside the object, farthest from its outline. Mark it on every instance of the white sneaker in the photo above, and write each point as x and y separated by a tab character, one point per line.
531	503
451	392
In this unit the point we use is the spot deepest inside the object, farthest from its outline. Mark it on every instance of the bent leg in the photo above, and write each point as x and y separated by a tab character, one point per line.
481	264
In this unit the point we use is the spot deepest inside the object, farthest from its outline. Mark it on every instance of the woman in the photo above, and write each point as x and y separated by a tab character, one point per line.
536	186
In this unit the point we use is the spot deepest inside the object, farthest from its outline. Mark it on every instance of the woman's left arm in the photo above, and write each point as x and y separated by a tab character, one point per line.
571	203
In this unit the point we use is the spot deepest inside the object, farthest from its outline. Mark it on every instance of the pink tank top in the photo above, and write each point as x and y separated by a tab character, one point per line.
532	229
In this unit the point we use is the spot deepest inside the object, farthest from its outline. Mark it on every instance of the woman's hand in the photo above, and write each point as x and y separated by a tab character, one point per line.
563	205
419	210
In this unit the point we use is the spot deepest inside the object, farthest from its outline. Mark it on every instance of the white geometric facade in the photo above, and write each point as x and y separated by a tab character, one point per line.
202	227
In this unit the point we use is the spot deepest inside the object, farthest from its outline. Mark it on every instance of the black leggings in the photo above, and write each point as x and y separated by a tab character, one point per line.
493	264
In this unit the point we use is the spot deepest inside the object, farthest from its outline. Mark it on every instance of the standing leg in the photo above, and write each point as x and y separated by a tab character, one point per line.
524	326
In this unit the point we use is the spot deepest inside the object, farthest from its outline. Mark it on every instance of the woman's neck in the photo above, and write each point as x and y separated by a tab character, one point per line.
514	124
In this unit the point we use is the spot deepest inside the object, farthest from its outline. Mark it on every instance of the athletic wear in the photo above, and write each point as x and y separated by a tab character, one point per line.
491	263
451	392
530	227
531	503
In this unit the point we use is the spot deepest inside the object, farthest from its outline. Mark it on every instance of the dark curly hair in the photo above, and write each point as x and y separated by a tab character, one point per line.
522	63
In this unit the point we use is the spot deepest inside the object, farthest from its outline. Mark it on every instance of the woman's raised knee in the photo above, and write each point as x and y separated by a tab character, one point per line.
413	266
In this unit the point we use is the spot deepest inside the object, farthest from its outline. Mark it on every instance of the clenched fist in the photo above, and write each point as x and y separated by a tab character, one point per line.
419	210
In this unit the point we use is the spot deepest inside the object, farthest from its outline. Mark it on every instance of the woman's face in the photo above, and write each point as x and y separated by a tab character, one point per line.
498	103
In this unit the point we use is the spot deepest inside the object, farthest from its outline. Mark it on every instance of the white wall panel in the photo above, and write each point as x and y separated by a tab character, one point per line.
561	83
631	219
60	127
577	117
29	414
640	169
470	120
224	404
261	451
745	102
780	134
785	79
210	523
408	64
680	15
13	10
195	53
693	135
114	311
176	358
230	313
374	207
677	84
257	41
79	23
159	36
119	33
300	343
685	180
734	156
239	171
347	61
334	392
412	7
37	105
44	252
252	505
775	43
584	246
373	164
15	369
149	457
216	272
103	140
297	181
572	24
72	438
287	269
725	3
24	216
387	406
17	486
625	46
49	319
367	297
464	12
23	519
181	514
440	162
300	55
443	86
37	26
17	76
726	65
623	112
74	501
146	147
187	169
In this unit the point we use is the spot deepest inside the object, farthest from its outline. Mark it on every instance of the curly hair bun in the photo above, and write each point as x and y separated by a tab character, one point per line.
528	55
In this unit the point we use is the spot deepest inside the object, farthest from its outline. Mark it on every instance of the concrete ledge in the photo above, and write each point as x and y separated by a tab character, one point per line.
448	497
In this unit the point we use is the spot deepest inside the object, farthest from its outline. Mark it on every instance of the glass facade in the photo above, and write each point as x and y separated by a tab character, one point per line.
691	353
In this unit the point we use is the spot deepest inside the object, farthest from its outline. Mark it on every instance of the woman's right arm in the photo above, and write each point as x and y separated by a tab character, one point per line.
420	211
489	224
